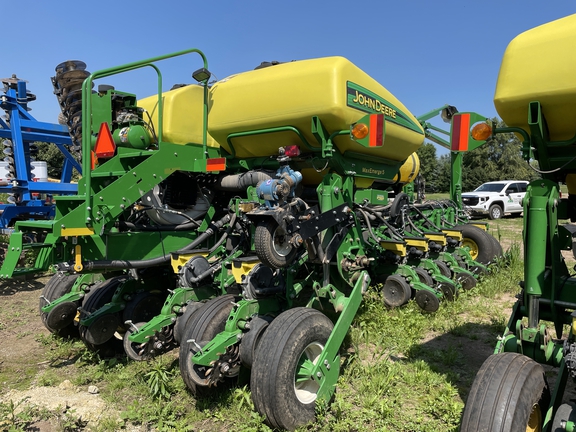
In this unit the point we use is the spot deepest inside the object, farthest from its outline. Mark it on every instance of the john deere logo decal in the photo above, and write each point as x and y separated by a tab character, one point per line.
364	100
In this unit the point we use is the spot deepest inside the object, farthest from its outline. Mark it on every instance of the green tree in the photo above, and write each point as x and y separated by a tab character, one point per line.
53	157
428	163
443	174
500	158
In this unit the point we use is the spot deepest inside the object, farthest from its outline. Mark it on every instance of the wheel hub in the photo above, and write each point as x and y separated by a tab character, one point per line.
305	387
281	245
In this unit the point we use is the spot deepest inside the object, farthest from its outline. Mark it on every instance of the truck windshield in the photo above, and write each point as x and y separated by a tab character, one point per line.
490	187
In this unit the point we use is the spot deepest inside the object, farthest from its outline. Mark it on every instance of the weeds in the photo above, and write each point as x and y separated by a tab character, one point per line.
158	381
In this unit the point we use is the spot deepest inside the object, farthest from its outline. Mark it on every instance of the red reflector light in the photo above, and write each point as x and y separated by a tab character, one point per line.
105	147
460	132
292	150
216	164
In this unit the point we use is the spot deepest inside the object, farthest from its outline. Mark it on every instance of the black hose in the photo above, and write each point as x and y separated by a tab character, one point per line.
138	264
125	226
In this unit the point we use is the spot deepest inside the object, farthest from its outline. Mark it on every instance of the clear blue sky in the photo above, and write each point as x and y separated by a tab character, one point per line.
427	53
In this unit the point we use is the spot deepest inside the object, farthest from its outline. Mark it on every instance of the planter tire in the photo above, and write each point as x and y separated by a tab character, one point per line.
509	394
295	338
271	245
482	248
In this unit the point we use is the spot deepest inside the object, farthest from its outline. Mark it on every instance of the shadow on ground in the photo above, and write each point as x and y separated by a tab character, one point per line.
458	354
21	283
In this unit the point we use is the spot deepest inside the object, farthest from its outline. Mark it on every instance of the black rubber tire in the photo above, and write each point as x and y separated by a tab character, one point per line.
98	296
400	201
427	301
204	324
444	269
495	212
565	412
498	251
481	245
424	276
143	307
509	390
448	290
182	320
466	280
56	287
293	334
396	291
251	339
266	238
129	347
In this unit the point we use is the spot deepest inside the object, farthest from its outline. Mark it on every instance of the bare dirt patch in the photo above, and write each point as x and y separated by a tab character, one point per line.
23	361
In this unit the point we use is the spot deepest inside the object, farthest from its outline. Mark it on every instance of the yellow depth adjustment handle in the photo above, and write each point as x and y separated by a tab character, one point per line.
78	258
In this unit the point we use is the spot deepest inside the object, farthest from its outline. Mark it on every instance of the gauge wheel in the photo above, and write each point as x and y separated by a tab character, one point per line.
396	291
424	276
479	243
99	335
282	388
444	269
495	212
143	307
182	320
56	287
509	393
251	339
203	325
272	245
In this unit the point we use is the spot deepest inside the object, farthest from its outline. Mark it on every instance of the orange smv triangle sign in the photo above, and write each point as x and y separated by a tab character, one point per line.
105	147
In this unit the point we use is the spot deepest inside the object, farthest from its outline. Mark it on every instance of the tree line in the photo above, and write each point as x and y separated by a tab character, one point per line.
500	158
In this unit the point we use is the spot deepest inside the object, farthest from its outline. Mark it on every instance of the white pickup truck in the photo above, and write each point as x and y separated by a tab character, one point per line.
496	198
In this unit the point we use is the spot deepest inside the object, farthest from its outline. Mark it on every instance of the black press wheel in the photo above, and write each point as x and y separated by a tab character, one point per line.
281	386
495	212
448	289
509	394
203	325
396	291
479	243
56	287
272	245
466	280
134	350
427	300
